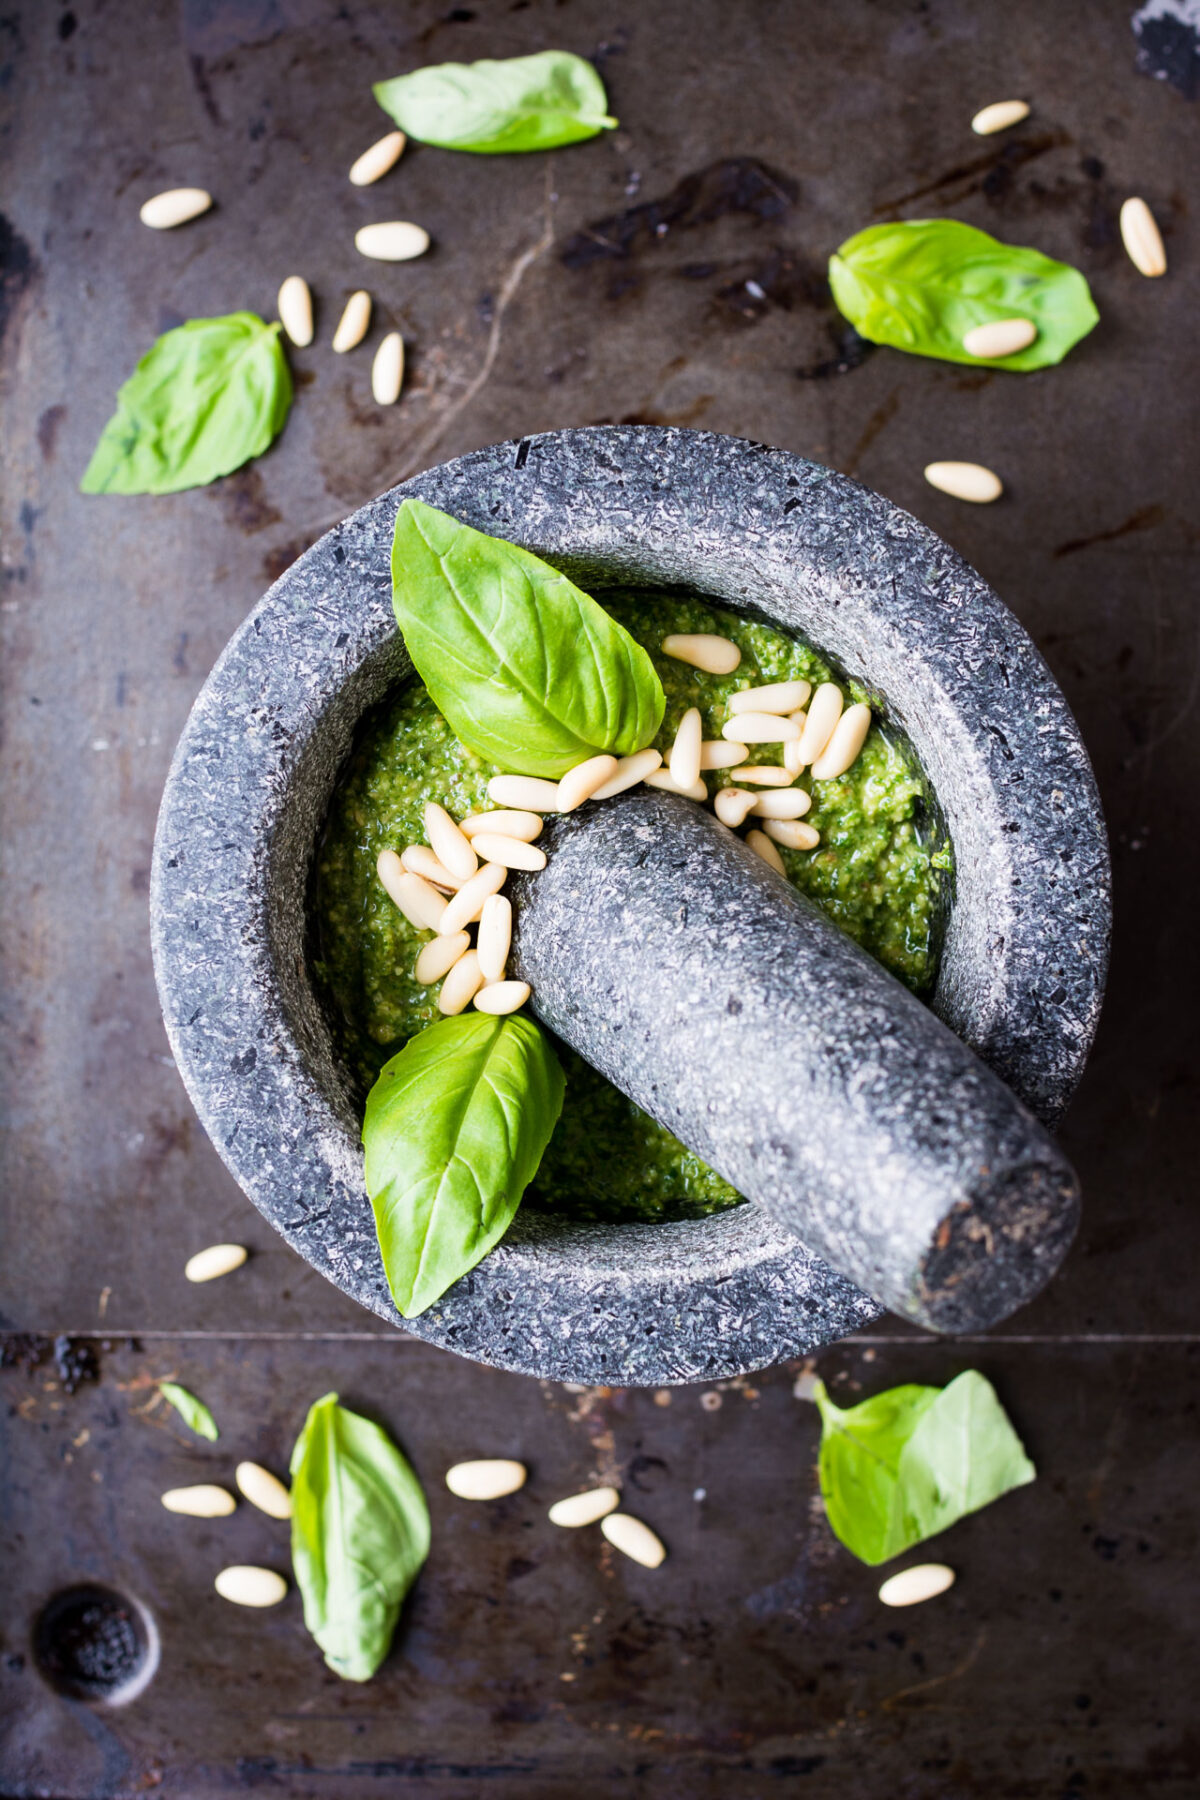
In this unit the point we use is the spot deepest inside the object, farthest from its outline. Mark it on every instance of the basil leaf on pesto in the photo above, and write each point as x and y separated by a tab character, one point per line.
529	671
908	1463
193	1412
523	103
204	399
360	1532
923	284
454	1131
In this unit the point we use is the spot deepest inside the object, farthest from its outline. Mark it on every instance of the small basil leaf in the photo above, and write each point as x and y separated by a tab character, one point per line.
360	1532
524	103
904	1465
529	671
454	1131
922	285
193	1412
204	399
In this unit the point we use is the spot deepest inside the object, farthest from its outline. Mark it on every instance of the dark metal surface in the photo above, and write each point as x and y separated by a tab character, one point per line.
756	1661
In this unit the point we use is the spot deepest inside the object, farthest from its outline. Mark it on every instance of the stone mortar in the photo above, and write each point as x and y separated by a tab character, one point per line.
762	530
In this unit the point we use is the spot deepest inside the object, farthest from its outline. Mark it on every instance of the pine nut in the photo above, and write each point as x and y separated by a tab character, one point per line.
510	853
762	846
661	778
1142	238
715	753
448	843
296	310
387	370
630	770
526	791
966	481
200	1502
421	904
495	936
849	736
419	859
488	1479
922	1582
524	825
376	161
584	1509
395	240
765	775
439	956
580	783
499	997
999	337
174	207
999	116
264	1490
218	1259
354	322
792	804
467	904
633	1539
731	806
776	697
825	709
794	834
248	1586
703	650
759	728
461	985
684	760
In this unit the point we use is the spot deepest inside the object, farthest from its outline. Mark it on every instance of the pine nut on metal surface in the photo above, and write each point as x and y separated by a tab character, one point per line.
999	116
824	711
1142	238
782	803
247	1586
439	956
584	1509
526	825
965	481
218	1259
630	770
528	792
703	650
775	697
922	1582
633	1539
354	323
294	303
580	783
488	1479
204	1501
762	846
760	728
264	1490
162	212
461	985
495	936
999	337
465	906
849	736
500	997
448	843
387	370
510	853
684	760
392	240
375	162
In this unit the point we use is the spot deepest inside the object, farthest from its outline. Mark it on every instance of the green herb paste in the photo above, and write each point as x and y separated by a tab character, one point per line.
877	873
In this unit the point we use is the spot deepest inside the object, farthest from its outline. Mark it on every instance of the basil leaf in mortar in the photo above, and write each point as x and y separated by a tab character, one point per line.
529	671
360	1532
193	1412
523	103
908	1463
204	399
923	284
454	1131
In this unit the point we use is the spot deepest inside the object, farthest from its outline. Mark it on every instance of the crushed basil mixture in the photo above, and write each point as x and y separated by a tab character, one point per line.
877	872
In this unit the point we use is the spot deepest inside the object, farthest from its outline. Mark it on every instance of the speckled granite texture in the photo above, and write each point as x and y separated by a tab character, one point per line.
761	529
726	1003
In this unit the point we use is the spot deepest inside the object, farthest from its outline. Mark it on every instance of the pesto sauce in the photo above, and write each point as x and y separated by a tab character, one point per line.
877	873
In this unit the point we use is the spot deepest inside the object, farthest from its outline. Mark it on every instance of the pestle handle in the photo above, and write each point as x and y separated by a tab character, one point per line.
724	1003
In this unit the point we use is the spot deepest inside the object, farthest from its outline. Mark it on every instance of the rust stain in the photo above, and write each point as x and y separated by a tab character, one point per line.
879	421
1144	519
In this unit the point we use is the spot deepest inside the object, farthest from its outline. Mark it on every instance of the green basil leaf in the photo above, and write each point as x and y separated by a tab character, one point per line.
904	1465
922	285
193	1412
454	1131
530	672
524	103
203	400
360	1532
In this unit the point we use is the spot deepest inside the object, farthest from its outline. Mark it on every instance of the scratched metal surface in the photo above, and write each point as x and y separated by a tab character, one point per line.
607	282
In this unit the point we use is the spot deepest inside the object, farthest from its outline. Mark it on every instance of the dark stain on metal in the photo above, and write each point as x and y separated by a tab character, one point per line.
67	26
1145	519
879	421
850	352
18	269
281	558
76	1362
47	430
23	1350
244	503
991	173
198	71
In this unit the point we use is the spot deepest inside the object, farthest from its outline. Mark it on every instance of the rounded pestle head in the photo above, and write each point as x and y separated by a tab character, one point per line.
724	1003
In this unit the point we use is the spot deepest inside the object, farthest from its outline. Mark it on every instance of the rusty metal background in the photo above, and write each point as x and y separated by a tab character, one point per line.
670	272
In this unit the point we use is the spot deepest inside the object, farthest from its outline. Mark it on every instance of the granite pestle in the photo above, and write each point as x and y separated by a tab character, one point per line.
724	1003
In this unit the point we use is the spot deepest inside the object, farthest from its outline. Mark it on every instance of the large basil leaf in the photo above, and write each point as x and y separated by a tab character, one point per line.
360	1532
922	285
528	670
525	103
454	1131
193	1412
203	400
907	1463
